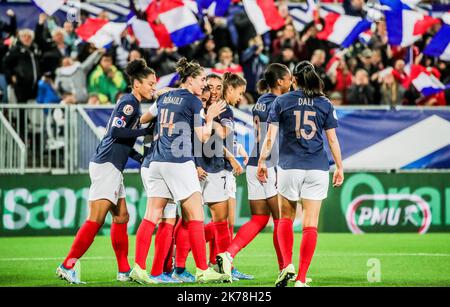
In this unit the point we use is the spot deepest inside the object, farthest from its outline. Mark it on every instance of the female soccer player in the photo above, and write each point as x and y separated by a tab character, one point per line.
172	173
107	192
299	117
262	196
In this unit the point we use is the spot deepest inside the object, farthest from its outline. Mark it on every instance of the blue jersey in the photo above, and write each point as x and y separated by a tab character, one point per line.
260	113
126	114
226	119
211	157
178	115
149	146
301	121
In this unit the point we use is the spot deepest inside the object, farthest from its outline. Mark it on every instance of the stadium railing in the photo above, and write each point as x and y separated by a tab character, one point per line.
40	135
13	152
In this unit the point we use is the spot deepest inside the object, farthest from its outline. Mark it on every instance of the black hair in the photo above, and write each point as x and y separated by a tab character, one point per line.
232	80
138	70
213	76
308	80
272	74
188	69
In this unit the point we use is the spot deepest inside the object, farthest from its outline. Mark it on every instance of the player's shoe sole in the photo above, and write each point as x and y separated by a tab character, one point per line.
285	275
210	276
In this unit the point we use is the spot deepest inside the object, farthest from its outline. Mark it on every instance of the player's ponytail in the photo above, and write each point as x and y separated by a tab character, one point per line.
272	74
232	80
188	69
138	70
308	79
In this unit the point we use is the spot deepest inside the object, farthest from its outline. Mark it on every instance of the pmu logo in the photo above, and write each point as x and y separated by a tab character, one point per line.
410	212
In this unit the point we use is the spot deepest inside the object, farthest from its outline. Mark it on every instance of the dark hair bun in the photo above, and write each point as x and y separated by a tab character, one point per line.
136	67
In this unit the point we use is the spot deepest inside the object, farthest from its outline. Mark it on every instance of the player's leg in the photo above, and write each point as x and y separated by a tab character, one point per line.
311	212
231	215
219	214
192	210
274	208
285	236
98	210
155	208
181	252
209	237
119	238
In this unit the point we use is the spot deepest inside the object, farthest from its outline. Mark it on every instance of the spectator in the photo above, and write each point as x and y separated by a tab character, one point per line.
289	37
21	66
254	63
226	62
164	60
70	39
340	76
318	60
391	91
71	76
336	98
400	74
354	7
361	92
207	56
106	80
287	57
54	49
6	29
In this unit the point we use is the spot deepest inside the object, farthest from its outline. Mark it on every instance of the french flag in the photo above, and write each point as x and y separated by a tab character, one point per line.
343	30
264	15
143	32
217	8
167	81
173	23
439	46
100	32
425	82
404	25
49	7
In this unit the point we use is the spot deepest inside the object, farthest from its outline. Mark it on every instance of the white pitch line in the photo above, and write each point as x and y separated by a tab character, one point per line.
253	256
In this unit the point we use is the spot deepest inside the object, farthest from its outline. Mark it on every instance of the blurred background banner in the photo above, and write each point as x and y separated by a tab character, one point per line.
41	205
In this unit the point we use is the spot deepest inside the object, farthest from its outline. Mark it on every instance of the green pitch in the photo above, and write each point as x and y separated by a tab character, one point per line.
340	260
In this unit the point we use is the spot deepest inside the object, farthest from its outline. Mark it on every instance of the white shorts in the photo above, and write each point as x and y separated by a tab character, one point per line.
258	190
214	187
106	182
230	184
170	211
295	184
175	181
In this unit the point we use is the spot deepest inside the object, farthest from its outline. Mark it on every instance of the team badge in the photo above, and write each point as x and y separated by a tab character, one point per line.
128	109
118	122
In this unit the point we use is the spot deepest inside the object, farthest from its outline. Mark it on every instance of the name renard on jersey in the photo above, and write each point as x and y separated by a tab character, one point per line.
172	100
306	102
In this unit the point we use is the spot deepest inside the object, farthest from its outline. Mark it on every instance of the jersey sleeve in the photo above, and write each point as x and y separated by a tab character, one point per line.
227	119
331	120
197	112
126	110
274	112
153	110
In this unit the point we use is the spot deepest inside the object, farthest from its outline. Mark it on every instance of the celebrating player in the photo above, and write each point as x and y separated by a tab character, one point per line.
107	192
172	173
262	196
299	117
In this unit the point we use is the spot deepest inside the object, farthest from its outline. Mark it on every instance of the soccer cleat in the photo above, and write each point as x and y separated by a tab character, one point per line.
123	276
184	277
140	276
285	275
299	284
225	264
294	279
209	275
215	267
236	274
171	279
164	278
68	274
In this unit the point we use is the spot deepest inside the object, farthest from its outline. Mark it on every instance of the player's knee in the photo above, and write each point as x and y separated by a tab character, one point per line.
121	219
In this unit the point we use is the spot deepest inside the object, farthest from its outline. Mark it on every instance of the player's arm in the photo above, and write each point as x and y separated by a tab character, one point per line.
204	132
333	142
237	168
136	156
151	114
118	126
242	152
266	149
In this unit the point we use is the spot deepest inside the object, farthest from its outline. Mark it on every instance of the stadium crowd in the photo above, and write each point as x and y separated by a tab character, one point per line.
50	64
